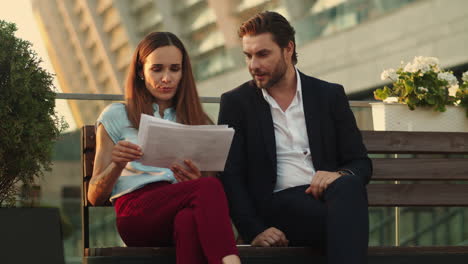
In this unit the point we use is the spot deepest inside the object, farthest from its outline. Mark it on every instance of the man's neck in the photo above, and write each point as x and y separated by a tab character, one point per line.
284	91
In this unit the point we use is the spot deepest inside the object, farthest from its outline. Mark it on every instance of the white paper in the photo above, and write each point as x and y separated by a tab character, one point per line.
165	143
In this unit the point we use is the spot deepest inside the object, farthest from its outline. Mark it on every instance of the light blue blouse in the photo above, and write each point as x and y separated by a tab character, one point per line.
135	175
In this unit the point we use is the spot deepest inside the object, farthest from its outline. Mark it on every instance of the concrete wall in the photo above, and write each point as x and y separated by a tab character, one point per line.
64	173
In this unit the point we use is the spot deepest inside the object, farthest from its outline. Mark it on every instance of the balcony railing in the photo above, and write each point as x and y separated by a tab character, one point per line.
120	97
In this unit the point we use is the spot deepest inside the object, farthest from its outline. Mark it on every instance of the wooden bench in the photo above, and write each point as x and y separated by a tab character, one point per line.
418	179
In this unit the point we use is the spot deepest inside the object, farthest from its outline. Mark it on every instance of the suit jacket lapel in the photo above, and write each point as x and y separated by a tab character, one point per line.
311	103
263	112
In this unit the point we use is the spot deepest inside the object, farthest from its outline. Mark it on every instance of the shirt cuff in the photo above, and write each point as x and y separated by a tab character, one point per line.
347	171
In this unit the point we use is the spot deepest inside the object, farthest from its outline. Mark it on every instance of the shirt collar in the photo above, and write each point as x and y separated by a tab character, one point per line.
169	113
296	99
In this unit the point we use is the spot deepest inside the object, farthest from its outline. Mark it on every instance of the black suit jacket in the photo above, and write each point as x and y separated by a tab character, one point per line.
250	175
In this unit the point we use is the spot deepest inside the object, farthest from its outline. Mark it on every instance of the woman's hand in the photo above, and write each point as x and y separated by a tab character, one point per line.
125	151
182	174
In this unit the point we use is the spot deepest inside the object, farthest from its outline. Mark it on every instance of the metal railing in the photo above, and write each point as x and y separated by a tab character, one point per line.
120	97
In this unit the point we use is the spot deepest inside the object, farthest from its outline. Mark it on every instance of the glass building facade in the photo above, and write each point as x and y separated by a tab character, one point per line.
90	43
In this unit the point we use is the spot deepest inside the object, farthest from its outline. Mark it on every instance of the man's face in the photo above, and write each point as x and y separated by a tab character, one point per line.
267	62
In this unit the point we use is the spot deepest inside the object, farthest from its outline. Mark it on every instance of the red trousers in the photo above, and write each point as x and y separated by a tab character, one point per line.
191	215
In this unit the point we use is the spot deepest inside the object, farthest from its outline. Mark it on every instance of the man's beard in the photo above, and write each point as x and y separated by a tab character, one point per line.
277	75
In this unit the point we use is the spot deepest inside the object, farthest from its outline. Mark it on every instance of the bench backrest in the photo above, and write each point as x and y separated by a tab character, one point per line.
440	159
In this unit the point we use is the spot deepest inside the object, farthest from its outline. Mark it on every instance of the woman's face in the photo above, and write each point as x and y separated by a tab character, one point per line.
162	72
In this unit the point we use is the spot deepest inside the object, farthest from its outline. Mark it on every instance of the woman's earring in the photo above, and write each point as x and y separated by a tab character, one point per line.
142	78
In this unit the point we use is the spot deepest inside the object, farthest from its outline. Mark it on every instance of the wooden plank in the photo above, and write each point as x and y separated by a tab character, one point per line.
88	150
89	136
84	200
418	250
246	250
411	195
420	169
415	142
88	159
418	194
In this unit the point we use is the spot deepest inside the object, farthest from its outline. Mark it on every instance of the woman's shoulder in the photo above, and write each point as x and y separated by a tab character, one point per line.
115	107
114	119
114	111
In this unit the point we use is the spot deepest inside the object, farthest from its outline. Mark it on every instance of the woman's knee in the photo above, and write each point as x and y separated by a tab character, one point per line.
184	222
210	183
211	189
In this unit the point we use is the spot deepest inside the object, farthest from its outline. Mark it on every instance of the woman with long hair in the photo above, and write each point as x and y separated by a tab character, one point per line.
160	206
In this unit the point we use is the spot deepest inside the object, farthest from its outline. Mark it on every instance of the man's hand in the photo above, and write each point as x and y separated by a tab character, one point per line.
321	181
272	237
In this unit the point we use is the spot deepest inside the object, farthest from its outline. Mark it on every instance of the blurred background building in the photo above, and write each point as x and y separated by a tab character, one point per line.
90	44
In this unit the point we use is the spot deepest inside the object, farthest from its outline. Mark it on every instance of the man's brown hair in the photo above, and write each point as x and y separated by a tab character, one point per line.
274	23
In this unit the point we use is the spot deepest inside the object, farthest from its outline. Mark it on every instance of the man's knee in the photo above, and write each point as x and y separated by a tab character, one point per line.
347	185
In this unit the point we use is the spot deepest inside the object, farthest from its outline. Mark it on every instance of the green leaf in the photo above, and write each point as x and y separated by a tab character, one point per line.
381	94
409	87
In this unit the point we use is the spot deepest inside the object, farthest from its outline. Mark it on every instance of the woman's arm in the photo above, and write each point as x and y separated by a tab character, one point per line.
109	162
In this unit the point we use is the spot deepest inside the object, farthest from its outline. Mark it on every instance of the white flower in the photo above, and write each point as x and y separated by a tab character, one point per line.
447	76
414	67
426	60
423	64
389	74
453	90
409	68
422	89
465	76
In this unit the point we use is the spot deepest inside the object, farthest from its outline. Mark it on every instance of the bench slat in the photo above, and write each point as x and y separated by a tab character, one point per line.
88	164
89	136
418	194
420	169
276	251
409	195
415	142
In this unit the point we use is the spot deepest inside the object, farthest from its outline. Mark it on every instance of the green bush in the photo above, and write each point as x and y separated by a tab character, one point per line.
29	125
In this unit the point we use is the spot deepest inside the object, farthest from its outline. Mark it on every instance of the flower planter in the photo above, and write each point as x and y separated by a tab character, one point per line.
398	117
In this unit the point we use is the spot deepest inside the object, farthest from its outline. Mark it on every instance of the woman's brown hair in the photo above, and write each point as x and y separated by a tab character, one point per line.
139	100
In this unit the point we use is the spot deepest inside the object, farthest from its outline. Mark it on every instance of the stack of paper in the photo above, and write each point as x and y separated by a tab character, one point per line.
165	143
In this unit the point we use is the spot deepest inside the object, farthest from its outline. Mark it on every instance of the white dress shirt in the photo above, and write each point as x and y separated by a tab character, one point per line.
294	161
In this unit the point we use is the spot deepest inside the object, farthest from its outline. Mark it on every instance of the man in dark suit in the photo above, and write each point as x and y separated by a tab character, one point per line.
297	167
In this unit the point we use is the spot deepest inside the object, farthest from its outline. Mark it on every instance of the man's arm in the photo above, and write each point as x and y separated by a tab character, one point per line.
234	175
352	154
